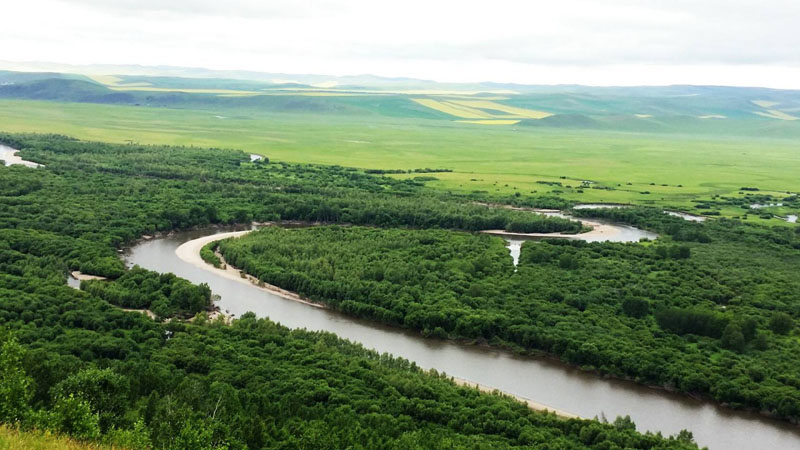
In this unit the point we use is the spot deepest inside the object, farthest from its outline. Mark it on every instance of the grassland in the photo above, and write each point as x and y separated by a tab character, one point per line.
11	439
644	168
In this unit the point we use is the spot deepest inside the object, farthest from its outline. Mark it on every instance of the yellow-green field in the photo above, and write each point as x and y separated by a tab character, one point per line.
453	109
481	109
517	113
776	114
11	439
771	110
673	169
492	121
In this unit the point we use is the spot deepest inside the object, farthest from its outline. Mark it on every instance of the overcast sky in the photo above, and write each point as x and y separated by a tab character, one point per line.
612	42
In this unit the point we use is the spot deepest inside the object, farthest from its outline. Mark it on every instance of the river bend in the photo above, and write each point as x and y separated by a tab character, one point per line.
546	382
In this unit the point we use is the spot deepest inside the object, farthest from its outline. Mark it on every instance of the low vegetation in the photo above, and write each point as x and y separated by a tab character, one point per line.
13	439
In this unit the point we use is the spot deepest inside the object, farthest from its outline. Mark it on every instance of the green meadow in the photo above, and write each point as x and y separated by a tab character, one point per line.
666	169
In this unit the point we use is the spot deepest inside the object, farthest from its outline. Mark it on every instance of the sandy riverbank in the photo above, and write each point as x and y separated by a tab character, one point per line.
599	231
531	404
82	276
190	252
146	312
9	155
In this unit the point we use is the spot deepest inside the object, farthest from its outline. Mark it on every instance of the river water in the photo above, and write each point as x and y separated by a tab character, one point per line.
544	381
602	231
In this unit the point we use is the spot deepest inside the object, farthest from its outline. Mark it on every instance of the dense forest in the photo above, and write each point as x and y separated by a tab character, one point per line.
707	309
164	294
74	362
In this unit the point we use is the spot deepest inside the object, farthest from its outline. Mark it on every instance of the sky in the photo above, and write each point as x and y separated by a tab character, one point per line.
601	42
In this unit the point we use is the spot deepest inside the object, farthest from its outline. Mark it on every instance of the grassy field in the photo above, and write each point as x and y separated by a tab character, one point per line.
661	169
11	439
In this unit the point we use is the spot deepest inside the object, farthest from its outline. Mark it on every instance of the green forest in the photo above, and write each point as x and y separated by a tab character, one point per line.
707	309
72	361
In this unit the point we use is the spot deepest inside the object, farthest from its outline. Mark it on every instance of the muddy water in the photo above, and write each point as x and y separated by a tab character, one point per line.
543	381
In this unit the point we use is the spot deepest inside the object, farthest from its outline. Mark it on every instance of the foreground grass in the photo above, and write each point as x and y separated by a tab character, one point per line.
657	169
12	439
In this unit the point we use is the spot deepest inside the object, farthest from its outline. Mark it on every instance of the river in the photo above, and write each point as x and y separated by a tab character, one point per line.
544	381
602	231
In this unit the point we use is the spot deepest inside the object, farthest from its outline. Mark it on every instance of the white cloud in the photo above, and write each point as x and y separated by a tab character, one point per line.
572	41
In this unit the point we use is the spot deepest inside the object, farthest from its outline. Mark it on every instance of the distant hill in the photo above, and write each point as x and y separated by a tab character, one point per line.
672	109
564	121
63	89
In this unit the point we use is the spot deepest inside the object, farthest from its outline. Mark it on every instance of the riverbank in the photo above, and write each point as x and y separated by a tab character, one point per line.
599	231
189	252
85	277
530	403
9	155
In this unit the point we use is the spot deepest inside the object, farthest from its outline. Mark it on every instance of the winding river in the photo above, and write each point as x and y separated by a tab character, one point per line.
602	231
547	382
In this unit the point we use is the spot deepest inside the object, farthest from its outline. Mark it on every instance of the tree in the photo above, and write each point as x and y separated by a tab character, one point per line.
749	327
635	307
568	261
73	415
15	385
781	323
104	390
196	435
733	338
680	252
624	423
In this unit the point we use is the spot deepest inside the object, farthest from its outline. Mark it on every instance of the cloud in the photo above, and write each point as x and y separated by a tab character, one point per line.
410	38
216	8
